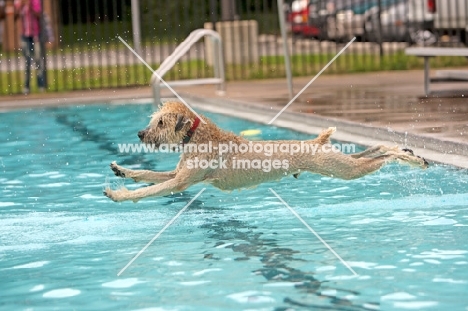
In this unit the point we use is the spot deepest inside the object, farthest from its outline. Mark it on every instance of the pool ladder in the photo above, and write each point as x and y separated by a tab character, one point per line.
182	49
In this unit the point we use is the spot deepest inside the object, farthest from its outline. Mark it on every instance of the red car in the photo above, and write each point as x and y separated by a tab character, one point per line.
298	18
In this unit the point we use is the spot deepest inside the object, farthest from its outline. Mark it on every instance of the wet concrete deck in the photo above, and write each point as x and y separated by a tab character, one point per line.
392	100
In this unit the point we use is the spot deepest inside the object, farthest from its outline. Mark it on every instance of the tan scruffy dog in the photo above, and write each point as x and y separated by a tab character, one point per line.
244	166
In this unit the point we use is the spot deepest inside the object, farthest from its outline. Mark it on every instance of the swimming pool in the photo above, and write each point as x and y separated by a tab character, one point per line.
403	230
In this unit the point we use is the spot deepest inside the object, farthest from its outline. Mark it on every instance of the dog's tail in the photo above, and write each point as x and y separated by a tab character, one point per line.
324	136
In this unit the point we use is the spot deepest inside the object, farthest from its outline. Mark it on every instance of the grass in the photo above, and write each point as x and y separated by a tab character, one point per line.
308	65
267	67
102	77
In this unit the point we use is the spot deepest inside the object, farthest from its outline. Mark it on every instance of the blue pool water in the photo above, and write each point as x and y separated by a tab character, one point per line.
62	243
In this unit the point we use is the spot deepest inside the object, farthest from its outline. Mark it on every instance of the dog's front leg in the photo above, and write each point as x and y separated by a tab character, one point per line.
174	185
141	175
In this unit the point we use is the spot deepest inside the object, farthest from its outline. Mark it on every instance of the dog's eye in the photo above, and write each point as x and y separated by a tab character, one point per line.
160	123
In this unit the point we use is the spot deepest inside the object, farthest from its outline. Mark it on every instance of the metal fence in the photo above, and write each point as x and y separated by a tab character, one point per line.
84	51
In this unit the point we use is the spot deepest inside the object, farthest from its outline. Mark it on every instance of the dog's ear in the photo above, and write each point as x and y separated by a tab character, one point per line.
180	122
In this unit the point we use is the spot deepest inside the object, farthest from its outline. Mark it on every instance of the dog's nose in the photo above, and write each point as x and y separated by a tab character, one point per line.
141	134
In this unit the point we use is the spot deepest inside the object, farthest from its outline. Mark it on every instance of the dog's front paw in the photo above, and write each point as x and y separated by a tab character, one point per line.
117	170
116	195
108	192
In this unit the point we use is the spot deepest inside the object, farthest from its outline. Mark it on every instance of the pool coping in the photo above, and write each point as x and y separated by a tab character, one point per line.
347	131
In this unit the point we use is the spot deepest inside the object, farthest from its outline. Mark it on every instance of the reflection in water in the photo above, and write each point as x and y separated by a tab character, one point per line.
276	261
276	265
77	125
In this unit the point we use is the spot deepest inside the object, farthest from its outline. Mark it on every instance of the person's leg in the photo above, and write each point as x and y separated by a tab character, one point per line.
39	65
28	52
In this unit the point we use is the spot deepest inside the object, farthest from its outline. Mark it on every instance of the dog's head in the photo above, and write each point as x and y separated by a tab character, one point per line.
169	125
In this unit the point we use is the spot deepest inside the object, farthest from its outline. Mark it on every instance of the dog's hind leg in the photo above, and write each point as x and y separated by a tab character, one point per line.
404	155
141	175
357	168
375	151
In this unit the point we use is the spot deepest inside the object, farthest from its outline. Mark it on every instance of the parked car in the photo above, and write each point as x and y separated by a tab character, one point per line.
404	20
298	19
347	18
451	17
322	15
393	23
350	19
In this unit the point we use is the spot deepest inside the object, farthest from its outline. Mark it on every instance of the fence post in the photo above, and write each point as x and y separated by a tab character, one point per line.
228	10
287	60
136	26
156	93
213	13
380	31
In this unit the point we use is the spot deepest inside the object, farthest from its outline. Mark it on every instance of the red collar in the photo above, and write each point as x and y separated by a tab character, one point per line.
190	132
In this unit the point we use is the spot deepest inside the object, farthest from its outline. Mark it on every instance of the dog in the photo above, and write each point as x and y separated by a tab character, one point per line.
176	125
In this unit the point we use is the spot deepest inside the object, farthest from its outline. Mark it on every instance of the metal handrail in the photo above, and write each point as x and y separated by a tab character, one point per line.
180	51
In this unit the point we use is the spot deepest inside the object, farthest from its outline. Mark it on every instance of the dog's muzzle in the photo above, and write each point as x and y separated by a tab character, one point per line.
142	134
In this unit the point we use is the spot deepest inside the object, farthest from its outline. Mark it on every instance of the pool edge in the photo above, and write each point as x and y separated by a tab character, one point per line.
347	131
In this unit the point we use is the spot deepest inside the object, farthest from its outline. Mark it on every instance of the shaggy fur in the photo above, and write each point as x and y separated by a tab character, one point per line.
172	122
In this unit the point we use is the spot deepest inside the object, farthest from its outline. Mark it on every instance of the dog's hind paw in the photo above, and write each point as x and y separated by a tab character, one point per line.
116	169
418	161
408	151
425	163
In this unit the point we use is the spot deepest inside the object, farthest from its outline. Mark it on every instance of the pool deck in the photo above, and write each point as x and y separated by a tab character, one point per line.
368	108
